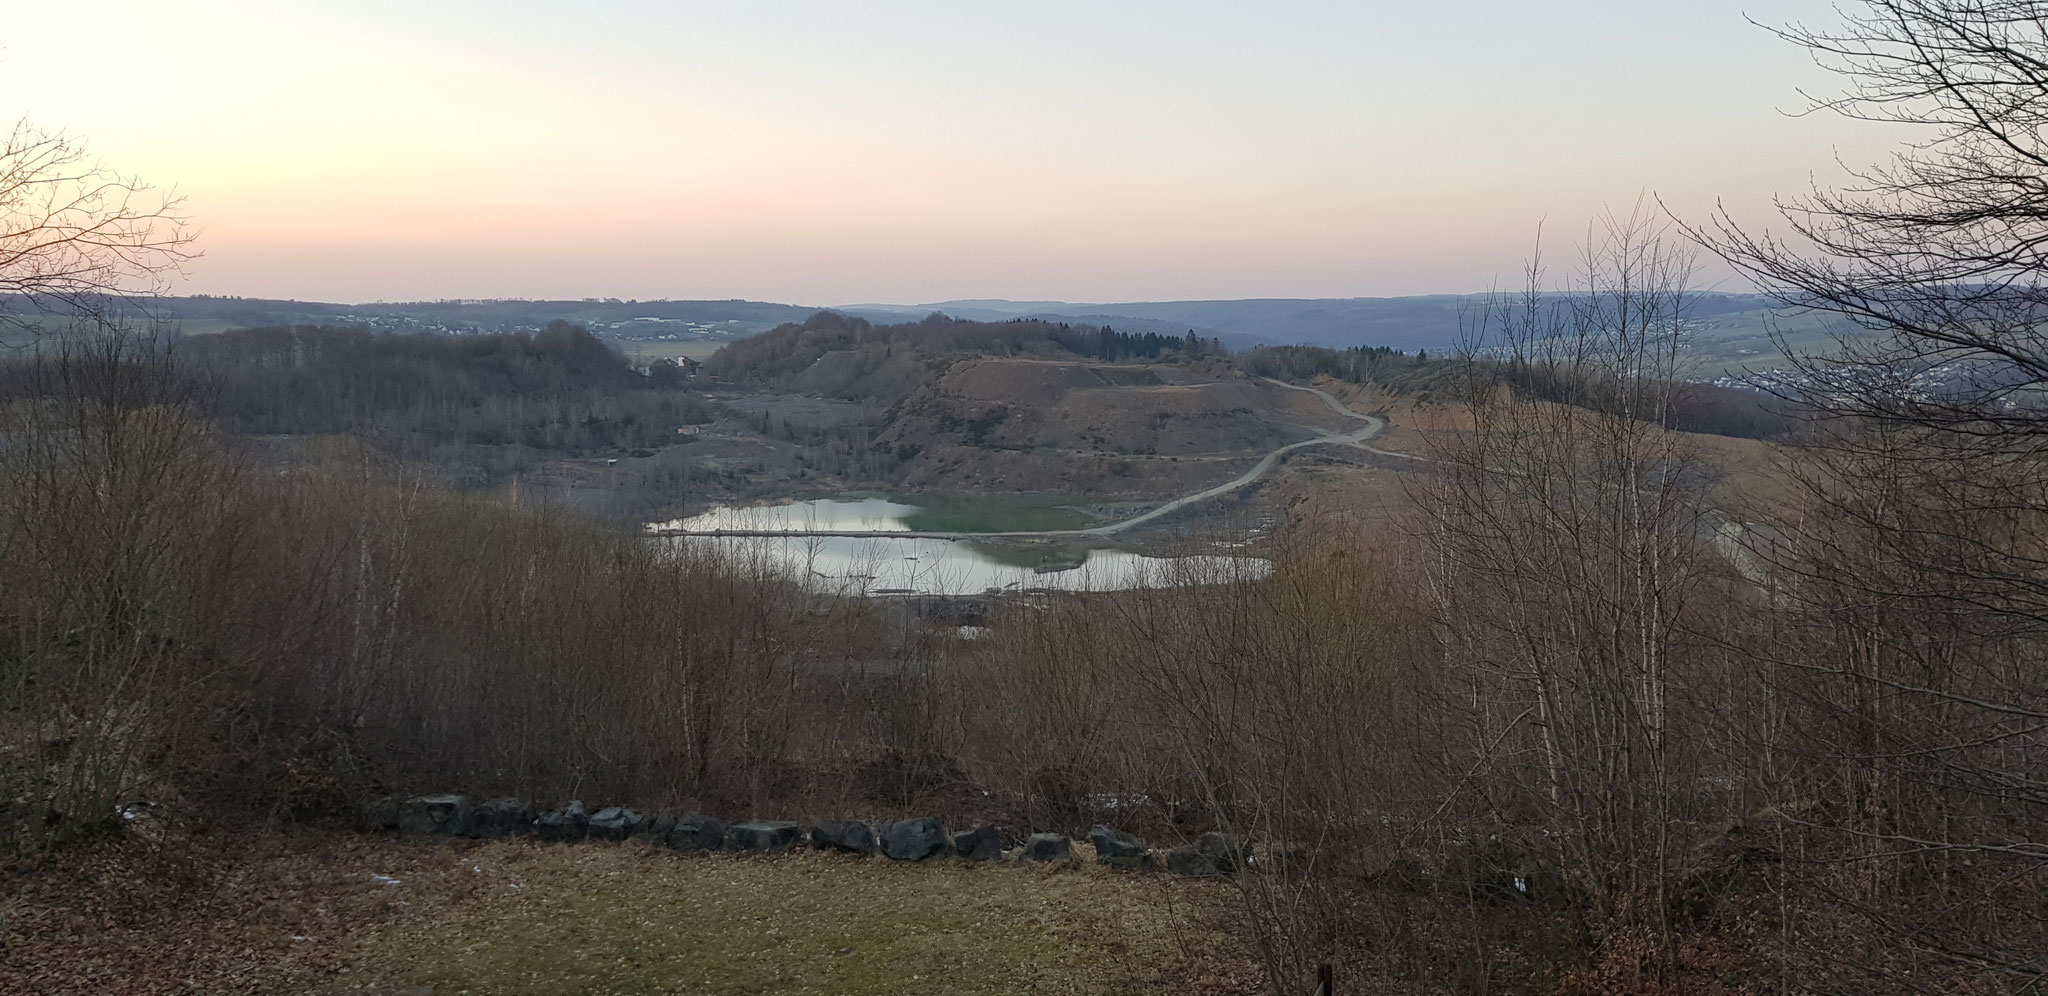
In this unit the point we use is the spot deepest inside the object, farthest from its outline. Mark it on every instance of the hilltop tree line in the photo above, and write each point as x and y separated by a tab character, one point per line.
1113	346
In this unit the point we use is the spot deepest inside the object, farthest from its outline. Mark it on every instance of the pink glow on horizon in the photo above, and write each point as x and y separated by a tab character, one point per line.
800	152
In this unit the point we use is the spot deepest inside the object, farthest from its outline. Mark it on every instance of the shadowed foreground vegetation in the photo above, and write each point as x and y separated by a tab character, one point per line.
476	407
1577	716
1537	733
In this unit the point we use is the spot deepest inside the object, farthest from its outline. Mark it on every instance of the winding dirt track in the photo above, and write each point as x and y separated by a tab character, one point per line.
1359	438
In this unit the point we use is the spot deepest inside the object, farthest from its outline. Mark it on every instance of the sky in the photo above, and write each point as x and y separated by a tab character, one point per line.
908	152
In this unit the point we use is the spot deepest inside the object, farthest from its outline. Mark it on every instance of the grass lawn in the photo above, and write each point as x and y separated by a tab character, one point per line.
806	923
307	913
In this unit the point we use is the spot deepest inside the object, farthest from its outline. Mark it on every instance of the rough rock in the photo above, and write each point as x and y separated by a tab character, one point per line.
914	839
1048	847
571	822
1119	849
698	832
1191	861
845	835
616	823
983	843
499	818
435	814
1231	851
765	835
381	813
655	830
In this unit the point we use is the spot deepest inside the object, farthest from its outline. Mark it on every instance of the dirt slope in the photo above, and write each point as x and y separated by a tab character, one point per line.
1111	429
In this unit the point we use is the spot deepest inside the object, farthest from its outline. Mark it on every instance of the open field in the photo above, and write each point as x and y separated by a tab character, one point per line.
302	913
1755	341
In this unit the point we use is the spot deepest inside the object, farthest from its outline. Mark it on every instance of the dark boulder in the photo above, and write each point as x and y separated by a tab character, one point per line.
616	823
655	830
982	843
1119	849
1048	847
764	835
697	832
571	822
380	814
914	840
499	818
1191	861
845	835
435	814
1230	850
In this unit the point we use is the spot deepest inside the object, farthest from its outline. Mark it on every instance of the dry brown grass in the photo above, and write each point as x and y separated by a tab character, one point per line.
301	913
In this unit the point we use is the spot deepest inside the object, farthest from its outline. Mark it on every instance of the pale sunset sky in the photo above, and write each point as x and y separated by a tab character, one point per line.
834	153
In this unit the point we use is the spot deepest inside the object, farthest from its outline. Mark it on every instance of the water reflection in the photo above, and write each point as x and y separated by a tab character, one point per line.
862	514
884	565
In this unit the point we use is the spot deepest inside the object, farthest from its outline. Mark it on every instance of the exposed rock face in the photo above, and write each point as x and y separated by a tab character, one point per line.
616	823
915	839
1048	847
500	818
982	843
1119	849
435	814
845	835
571	822
765	835
698	832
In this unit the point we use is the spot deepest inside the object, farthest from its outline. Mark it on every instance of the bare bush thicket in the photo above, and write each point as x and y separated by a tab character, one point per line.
288	642
1290	711
1568	536
114	501
1909	568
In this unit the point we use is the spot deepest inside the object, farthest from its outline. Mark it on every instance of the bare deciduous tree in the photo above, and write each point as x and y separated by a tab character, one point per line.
1912	565
73	230
1567	519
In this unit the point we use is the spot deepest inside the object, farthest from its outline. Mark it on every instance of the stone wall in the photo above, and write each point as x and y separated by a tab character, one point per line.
917	839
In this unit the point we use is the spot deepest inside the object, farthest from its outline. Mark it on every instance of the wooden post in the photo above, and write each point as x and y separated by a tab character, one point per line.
1325	980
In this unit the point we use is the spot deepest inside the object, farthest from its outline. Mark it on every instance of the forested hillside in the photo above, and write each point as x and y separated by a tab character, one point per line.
484	404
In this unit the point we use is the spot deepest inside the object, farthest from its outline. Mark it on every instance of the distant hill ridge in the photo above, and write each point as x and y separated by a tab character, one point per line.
1430	321
1433	322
